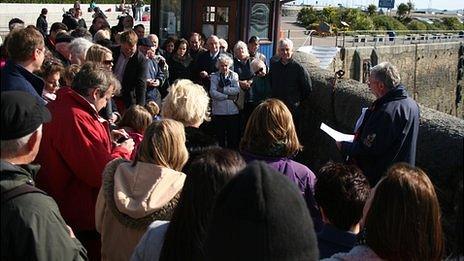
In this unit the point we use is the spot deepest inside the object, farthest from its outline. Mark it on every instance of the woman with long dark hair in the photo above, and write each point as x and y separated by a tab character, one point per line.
180	62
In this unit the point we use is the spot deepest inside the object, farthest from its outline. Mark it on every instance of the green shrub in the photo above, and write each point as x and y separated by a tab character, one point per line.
388	23
417	25
452	23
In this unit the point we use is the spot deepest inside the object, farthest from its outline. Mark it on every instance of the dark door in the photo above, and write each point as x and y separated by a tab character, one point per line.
217	17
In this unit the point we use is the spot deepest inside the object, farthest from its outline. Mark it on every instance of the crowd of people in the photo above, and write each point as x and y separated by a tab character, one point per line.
114	148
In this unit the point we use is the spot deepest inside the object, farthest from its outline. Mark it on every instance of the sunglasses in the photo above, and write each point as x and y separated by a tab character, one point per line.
108	62
259	70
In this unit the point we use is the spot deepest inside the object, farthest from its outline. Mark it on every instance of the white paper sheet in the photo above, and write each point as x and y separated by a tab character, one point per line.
336	135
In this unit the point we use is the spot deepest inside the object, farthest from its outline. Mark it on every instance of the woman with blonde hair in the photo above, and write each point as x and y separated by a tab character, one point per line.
136	193
100	54
188	103
104	58
401	219
270	136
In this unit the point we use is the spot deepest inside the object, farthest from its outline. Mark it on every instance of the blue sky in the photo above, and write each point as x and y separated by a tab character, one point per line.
421	4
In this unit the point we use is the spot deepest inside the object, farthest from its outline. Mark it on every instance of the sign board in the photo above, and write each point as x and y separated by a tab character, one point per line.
387	4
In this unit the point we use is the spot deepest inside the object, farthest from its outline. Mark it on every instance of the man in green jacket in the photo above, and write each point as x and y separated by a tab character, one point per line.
31	223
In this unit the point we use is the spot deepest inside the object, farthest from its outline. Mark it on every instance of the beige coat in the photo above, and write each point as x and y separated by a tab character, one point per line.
129	200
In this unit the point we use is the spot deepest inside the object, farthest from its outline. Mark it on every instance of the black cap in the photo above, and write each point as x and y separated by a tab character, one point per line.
21	114
254	39
145	42
261	215
64	38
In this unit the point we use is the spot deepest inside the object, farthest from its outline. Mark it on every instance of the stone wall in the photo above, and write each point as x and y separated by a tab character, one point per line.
440	142
429	71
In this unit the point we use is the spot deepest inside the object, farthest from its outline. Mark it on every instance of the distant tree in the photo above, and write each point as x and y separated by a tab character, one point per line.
330	15
402	10
410	6
372	10
307	16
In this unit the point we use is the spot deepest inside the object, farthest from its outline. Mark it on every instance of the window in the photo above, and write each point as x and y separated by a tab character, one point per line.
216	21
259	20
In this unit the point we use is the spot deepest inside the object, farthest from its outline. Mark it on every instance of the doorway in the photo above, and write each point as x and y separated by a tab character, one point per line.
218	18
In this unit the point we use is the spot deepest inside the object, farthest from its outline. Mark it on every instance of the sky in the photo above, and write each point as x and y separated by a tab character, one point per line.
419	4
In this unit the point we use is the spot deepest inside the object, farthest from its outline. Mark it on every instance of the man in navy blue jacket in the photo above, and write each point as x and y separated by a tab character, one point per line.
389	130
26	53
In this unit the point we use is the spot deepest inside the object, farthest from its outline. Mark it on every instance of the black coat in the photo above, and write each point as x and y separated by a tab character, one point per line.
134	78
42	24
290	83
205	63
179	69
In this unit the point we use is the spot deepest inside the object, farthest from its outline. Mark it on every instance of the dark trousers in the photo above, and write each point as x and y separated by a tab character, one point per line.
227	130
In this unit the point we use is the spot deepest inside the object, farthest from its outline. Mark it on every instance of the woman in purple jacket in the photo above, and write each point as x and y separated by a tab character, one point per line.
270	136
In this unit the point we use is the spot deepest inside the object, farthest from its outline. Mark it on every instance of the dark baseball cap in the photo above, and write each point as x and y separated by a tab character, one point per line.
22	114
145	42
254	39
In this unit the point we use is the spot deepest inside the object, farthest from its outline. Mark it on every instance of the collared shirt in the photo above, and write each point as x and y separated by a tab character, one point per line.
332	240
120	66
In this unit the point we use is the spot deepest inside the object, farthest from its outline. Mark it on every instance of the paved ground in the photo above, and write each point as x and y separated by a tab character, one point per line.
29	13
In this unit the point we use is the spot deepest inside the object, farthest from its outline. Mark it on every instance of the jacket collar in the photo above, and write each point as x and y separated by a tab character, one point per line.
335	235
36	82
398	93
69	96
28	170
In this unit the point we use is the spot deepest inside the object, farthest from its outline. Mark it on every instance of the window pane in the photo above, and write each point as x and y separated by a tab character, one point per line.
259	21
209	14
207	29
170	17
223	14
223	31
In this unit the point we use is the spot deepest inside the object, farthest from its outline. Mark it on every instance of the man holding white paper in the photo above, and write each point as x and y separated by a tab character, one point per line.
388	132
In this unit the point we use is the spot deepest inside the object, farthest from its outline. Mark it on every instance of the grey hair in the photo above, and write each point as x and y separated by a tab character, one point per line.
387	74
257	64
101	35
224	58
242	45
12	148
89	77
79	46
287	42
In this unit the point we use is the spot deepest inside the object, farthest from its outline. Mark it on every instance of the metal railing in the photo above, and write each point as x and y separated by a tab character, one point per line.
371	38
374	38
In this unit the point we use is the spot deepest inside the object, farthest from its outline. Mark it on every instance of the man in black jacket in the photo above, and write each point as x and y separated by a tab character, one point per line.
290	82
42	23
31	223
130	67
389	129
206	62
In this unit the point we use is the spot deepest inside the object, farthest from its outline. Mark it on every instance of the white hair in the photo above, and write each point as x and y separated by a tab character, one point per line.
224	58
387	74
78	47
241	45
286	42
12	148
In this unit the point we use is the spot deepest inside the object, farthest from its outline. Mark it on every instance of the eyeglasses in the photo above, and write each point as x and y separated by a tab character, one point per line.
259	70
